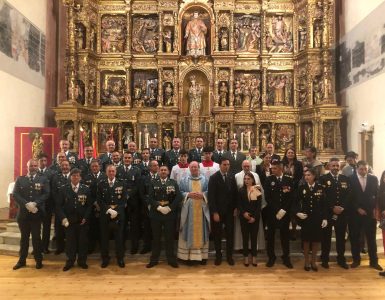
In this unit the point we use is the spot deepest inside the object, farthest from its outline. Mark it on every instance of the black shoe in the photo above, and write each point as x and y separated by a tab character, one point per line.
145	250
151	264
306	268
314	268
382	274
83	265
343	265
270	263
376	267
134	251
288	263
230	261
19	265
218	261
39	265
121	263
173	264
325	265
204	262
105	263
67	267
363	251
59	251
355	264
46	251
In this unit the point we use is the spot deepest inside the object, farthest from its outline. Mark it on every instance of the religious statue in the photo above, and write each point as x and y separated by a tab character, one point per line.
224	39
246	139
86	134
246	94
317	90
114	91
167	40
284	137
223	92
168	95
255	92
237	93
302	92
70	136
328	135
308	136
93	39
167	142
280	39
146	137
317	36
195	33
264	136
277	92
302	39
127	137
79	38
195	96
152	98
224	135
37	145
145	35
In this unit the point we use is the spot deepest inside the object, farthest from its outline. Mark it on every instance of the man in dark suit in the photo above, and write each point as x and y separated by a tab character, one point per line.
112	199
338	194
196	153
172	156
84	164
219	151
131	176
92	180
144	164
155	152
58	180
270	150
73	210
362	216
106	158
222	198
279	195
49	203
30	192
235	157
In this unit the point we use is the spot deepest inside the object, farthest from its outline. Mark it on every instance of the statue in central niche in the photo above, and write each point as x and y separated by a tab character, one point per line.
195	34
195	96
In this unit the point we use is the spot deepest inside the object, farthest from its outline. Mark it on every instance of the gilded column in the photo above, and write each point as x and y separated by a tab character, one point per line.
264	91
71	51
231	36
120	135
128	86
176	34
160	50
160	88
216	88
231	88
176	87
128	34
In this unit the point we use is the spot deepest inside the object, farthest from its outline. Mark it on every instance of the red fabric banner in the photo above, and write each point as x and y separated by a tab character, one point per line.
30	142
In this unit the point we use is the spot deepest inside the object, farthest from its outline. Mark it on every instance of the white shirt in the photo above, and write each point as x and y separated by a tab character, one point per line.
111	182
178	173
75	188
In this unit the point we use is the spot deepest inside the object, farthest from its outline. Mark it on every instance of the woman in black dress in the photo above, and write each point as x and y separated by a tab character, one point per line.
311	211
249	205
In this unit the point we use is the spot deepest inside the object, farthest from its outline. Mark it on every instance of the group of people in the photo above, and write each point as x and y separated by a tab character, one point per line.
197	194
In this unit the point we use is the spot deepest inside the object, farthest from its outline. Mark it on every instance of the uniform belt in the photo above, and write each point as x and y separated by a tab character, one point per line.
113	206
163	202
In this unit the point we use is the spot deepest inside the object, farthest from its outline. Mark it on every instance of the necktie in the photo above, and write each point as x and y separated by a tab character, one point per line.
335	178
234	156
220	153
111	183
75	189
126	169
224	178
145	164
279	179
31	178
311	188
199	151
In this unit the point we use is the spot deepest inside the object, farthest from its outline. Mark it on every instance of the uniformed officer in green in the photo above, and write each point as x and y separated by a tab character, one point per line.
73	208
172	156
30	192
112	200
164	199
338	197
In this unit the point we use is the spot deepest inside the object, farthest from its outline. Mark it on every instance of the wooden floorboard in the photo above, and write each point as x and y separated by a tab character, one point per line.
196	282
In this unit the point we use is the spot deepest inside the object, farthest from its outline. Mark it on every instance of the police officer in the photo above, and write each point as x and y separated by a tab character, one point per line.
30	192
106	158
130	175
55	167
59	180
73	210
72	157
112	200
91	180
155	152
49	204
144	191
172	156
337	192
84	164
278	193
164	199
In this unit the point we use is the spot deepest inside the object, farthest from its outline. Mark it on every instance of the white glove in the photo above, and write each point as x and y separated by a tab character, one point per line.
280	214
163	209
302	216
34	210
112	212
324	223
30	206
167	209
65	222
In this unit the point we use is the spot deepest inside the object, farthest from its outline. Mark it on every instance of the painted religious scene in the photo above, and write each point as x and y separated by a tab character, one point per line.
256	73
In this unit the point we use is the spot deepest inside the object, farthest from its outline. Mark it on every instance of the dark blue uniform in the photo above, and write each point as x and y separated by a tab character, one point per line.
158	155
75	206
26	190
195	155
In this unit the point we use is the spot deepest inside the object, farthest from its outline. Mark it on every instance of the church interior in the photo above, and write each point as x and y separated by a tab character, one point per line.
292	73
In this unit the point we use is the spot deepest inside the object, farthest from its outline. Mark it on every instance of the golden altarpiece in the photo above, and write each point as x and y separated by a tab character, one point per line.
256	70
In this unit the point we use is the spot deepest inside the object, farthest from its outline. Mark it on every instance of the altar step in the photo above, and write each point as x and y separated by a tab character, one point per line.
10	241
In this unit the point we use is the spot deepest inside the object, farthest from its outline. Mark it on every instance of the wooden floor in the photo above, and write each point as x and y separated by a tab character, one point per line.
196	282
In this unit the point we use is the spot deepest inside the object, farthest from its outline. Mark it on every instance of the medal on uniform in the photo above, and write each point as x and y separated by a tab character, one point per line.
37	186
273	183
170	189
72	159
304	192
329	183
82	199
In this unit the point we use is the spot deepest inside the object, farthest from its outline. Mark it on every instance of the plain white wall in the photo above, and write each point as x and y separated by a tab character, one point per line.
22	104
366	101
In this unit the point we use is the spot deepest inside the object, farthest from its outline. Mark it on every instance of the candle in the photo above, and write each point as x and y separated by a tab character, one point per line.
242	141
140	140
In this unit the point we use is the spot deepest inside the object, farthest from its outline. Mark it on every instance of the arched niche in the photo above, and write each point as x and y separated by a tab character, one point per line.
202	83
